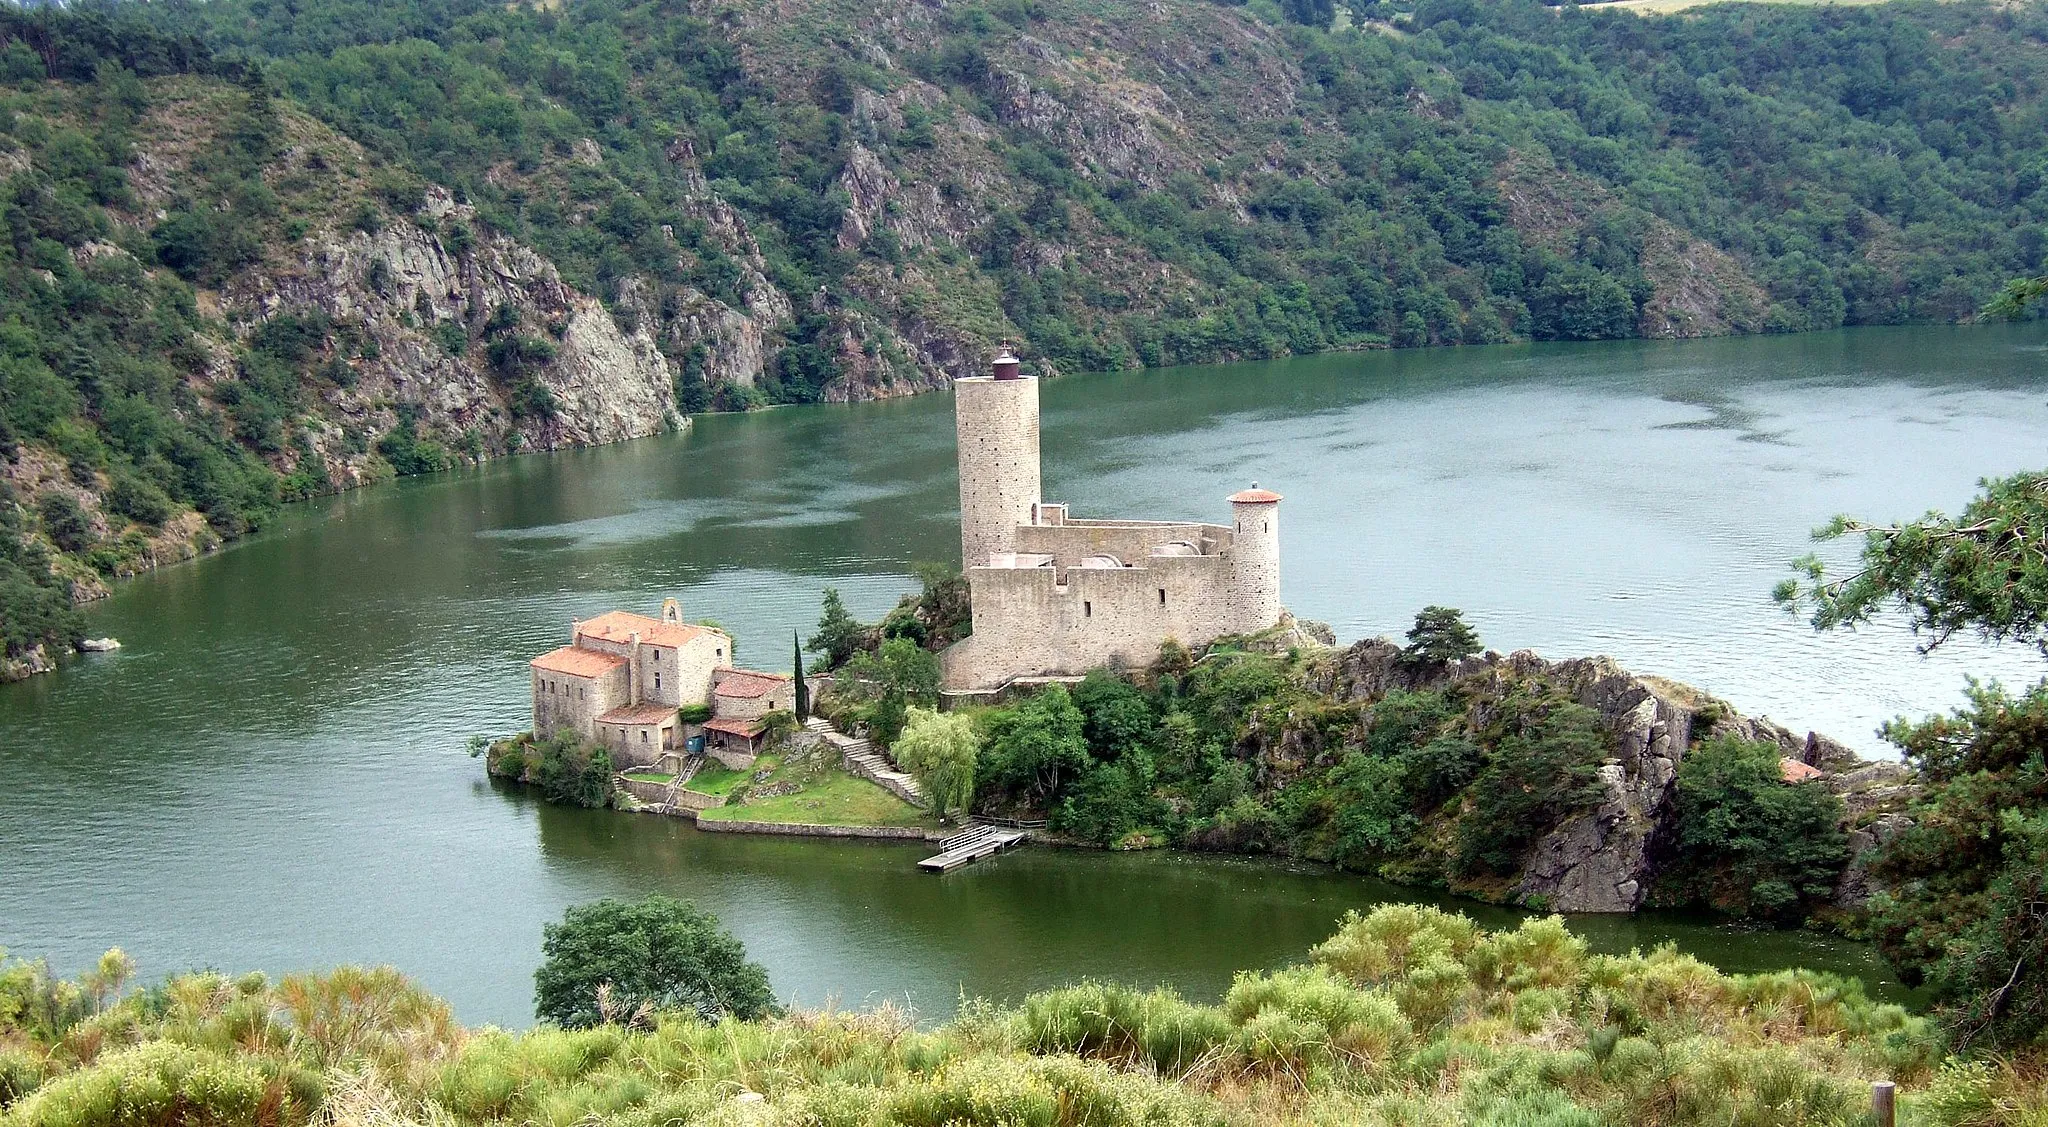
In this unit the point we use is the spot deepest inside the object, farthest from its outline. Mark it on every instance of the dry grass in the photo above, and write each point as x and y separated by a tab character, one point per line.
1406	1016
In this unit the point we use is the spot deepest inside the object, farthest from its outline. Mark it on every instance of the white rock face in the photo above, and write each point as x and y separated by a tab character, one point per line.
403	283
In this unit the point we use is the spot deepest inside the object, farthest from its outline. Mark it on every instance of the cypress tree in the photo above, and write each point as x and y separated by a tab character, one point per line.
803	691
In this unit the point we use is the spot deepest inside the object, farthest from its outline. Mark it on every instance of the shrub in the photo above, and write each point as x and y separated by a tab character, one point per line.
1359	1026
138	499
1383	945
159	1082
65	522
1117	1023
1749	842
1544	770
571	771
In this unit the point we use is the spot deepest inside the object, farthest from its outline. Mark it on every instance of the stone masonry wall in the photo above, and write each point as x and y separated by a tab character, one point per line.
574	702
1130	542
1255	567
997	424
1027	624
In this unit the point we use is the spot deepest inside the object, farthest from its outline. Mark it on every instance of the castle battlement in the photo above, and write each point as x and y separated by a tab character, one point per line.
1056	596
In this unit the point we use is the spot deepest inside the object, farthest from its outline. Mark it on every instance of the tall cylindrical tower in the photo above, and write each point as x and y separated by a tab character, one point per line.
997	420
1255	559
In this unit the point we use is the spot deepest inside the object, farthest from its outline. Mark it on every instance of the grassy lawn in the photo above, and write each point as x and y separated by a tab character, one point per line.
833	798
717	779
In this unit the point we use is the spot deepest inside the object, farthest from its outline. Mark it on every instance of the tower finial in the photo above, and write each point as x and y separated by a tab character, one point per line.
1006	366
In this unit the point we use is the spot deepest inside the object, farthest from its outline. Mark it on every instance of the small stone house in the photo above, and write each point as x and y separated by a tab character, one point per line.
739	700
622	678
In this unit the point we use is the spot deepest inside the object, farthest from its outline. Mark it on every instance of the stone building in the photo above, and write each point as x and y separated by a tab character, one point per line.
623	677
739	700
1056	596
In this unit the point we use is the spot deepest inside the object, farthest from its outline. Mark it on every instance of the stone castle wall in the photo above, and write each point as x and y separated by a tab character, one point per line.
997	424
1130	541
1063	619
1027	624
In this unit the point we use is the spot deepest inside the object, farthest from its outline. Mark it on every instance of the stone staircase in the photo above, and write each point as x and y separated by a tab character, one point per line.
862	758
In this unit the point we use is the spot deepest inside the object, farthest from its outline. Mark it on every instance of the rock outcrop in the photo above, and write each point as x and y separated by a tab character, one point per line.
1606	858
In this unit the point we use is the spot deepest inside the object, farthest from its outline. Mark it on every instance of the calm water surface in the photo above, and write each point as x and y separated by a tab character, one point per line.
271	773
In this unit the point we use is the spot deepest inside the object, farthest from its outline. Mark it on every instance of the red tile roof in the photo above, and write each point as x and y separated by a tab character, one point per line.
577	662
1793	771
747	729
619	627
745	684
1254	496
640	714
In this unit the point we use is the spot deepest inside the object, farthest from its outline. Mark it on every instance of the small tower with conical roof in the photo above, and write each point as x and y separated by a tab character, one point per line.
996	418
1254	559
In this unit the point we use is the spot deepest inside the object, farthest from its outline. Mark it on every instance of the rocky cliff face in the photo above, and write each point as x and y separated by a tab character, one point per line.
1606	858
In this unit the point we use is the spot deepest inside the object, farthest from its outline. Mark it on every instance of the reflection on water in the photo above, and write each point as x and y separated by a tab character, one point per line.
270	773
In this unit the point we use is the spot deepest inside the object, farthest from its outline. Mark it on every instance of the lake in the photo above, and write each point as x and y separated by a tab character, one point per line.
271	774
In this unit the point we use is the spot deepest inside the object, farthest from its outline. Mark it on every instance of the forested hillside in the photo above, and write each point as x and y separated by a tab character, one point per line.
259	250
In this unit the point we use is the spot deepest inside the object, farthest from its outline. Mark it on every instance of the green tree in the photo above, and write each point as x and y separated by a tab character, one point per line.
839	633
1748	841
1118	717
1108	801
623	960
1542	771
1439	637
886	684
803	691
1985	572
1035	746
940	750
1961	905
2019	294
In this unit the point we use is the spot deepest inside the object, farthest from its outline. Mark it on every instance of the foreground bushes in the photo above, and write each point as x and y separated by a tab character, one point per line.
1404	1016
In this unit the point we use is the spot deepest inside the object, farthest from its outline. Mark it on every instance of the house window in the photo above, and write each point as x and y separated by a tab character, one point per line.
1162	596
1087	609
643	735
657	680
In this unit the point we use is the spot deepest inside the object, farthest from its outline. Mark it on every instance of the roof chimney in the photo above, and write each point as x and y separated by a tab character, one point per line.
1006	366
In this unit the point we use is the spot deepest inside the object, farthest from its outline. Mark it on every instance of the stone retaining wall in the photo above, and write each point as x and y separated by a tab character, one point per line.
686	799
891	781
802	829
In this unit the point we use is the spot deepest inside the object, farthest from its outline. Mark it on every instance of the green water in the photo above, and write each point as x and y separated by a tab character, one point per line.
271	773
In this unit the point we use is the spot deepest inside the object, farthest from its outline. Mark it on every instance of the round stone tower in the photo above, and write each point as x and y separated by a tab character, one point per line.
997	419
1255	559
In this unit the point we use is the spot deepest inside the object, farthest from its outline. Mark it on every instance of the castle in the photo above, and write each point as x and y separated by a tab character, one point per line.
1055	596
624	678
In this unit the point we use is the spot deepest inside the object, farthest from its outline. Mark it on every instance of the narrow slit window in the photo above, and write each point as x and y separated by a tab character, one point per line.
1087	609
1162	596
